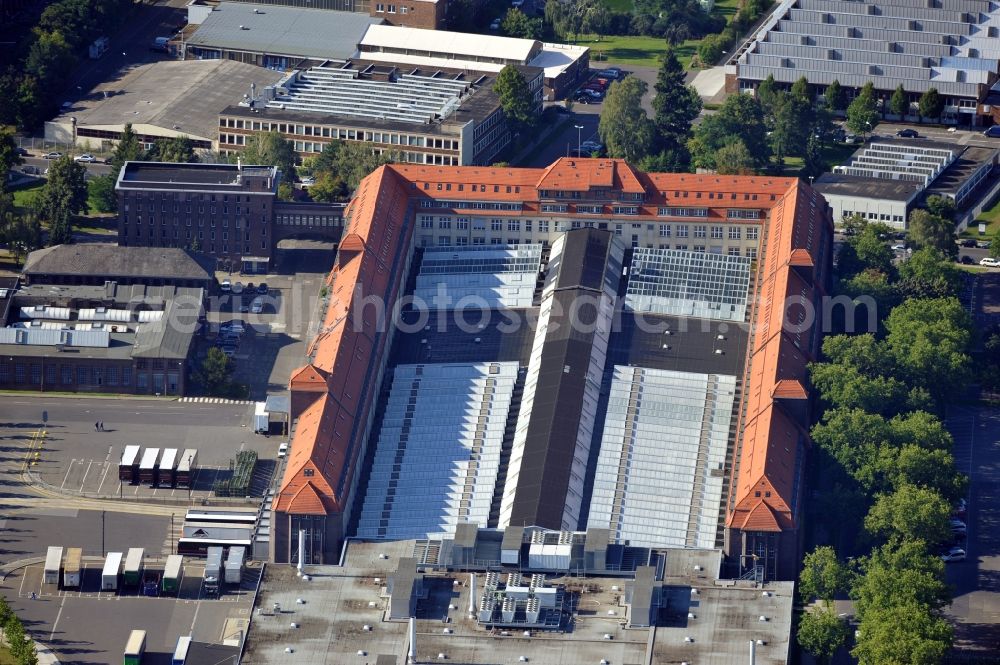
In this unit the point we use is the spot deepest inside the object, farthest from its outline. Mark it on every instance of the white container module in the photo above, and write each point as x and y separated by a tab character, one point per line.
128	467
133	566
53	565
213	562
181	650
109	576
72	567
234	565
168	463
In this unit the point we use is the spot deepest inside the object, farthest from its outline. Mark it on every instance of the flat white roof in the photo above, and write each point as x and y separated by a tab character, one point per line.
555	58
443	41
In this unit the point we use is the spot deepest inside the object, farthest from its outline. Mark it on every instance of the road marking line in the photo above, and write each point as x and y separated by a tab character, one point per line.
56	622
84	481
68	469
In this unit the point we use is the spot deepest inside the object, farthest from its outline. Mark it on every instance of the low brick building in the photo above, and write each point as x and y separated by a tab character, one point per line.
426	14
95	264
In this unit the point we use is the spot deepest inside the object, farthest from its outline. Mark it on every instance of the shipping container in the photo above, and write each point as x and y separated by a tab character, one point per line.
234	565
109	576
166	468
213	571
53	565
216	531
128	467
71	568
133	566
181	650
135	647
260	418
186	468
147	468
200	546
172	574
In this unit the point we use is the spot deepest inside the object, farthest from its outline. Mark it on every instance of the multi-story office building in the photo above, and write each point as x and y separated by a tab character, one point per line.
701	255
428	115
228	211
950	45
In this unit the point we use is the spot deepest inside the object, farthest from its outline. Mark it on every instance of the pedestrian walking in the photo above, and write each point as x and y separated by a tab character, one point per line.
97	427
34	596
102	425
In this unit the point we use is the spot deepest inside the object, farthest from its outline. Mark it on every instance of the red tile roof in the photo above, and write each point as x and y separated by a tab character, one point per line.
773	439
347	353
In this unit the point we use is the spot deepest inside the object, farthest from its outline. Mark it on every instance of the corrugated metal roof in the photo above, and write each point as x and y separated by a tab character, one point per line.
459	44
273	29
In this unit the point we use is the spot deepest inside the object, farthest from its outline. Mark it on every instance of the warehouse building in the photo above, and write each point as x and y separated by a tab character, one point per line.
564	65
96	264
950	45
113	338
884	180
160	100
623	309
427	115
273	36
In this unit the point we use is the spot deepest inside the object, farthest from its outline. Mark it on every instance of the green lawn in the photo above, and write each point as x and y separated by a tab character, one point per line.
23	194
833	155
645	51
992	218
5	656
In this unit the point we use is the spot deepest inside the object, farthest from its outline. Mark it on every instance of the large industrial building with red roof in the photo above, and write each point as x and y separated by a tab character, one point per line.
647	376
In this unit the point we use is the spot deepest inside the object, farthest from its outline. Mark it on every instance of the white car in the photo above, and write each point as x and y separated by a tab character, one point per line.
283	449
257	306
226	286
957	526
308	181
989	262
954	554
899	248
85	157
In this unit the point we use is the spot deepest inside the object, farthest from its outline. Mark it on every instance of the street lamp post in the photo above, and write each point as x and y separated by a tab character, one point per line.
579	138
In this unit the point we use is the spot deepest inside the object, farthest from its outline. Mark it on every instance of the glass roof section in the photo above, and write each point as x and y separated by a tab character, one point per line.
682	283
488	277
438	450
661	466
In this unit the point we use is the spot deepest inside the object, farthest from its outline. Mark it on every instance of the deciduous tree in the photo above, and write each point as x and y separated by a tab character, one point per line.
862	114
63	197
929	230
734	158
624	127
740	117
517	24
898	103
271	149
902	634
515	98
835	96
931	104
823	575
177	149
910	513
821	632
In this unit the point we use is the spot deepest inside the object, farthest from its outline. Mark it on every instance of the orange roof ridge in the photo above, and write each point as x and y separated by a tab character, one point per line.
790	389
761	518
307	377
307	501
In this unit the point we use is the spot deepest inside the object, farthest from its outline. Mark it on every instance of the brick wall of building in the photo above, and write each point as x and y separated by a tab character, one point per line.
412	13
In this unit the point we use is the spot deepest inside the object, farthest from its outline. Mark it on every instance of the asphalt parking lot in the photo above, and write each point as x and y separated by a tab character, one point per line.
88	626
275	340
976	606
74	458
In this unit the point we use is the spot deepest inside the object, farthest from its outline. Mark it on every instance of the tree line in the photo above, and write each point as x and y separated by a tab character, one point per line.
41	63
890	480
21	646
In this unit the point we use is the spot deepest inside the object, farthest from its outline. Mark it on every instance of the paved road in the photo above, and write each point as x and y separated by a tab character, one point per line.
976	605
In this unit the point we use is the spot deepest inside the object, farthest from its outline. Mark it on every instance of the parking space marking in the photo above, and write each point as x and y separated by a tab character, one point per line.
85	474
66	477
56	622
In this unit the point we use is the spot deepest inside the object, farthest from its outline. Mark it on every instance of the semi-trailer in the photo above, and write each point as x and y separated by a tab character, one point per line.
234	565
147	467
167	468
135	648
186	468
213	571
171	582
53	565
109	576
181	650
133	566
71	568
128	467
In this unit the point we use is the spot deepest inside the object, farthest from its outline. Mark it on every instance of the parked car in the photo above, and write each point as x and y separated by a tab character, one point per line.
993	132
582	98
592	145
257	306
237	287
308	181
52	155
853	138
262	289
283	449
495	25
908	133
983	244
957	526
899	248
959	508
989	262
968	242
31	170
85	157
954	554
250	288
966	260
226	286
23	152
611	72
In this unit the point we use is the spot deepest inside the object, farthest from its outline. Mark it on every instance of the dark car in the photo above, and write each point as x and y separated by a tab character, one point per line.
968	242
263	288
967	260
908	134
21	151
993	132
251	289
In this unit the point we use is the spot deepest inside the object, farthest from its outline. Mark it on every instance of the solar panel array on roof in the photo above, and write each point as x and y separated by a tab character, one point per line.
659	476
488	277
408	98
438	450
682	283
891	161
